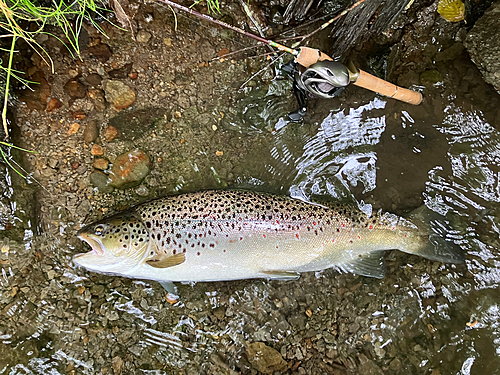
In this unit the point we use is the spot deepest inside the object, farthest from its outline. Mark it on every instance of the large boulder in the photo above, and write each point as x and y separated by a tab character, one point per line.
483	44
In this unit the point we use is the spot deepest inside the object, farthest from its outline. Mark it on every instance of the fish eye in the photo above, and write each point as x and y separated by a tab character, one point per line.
100	229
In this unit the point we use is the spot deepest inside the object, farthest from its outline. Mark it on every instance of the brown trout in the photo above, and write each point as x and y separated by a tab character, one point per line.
229	235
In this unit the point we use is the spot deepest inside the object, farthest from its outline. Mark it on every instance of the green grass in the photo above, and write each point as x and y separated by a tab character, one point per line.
14	14
212	5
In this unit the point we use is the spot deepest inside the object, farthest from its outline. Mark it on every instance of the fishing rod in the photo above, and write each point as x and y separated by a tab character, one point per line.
306	57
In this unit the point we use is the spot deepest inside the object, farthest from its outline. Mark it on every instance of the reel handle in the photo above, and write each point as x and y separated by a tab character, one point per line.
308	56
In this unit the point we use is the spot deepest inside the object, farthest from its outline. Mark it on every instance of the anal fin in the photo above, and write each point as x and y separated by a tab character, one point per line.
281	275
369	264
170	261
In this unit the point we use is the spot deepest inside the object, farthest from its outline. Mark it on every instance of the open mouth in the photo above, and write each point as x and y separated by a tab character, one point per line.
95	244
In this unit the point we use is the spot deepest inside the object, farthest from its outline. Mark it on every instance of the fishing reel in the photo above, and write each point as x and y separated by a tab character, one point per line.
324	79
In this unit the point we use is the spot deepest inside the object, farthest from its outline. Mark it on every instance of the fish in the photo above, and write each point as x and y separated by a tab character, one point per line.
221	235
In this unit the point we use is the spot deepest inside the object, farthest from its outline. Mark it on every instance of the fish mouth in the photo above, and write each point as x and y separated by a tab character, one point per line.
94	243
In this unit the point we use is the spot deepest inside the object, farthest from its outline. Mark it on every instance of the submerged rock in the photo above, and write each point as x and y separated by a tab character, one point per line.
100	181
264	358
483	44
129	169
36	97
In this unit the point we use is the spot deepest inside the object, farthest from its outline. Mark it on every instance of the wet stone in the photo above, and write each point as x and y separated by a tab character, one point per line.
100	181
129	169
119	94
110	133
101	164
36	97
121	72
430	77
53	104
97	150
143	36
75	89
90	133
94	79
97	95
264	358
101	52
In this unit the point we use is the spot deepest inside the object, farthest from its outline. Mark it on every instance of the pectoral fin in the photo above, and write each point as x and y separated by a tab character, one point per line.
370	264
281	275
170	261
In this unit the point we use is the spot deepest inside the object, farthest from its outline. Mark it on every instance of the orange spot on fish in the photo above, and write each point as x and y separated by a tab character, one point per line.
370	227
264	235
277	222
343	225
314	223
393	228
297	235
276	246
333	240
359	237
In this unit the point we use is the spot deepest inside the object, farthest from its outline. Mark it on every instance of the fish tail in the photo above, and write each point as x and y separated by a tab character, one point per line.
439	242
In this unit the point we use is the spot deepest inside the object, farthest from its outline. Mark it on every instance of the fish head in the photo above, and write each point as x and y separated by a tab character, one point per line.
119	243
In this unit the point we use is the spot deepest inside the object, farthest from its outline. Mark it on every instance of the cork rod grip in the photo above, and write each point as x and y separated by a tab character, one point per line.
380	86
309	56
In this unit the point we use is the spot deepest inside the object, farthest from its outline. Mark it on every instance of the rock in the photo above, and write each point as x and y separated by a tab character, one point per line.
264	358
451	53
90	133
483	44
101	52
121	72
75	89
101	164
110	133
129	169
119	94
73	128
395	364
94	79
53	104
97	150
79	115
118	365
368	367
100	181
36	97
143	36
430	77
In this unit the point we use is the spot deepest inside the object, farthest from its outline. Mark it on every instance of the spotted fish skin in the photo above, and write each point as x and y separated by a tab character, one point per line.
227	235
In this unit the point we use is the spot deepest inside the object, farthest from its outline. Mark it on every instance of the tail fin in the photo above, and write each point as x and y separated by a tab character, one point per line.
443	242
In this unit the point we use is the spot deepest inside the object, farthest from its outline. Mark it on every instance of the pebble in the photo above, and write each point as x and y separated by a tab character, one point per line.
73	128
94	79
101	164
119	94
143	36
100	181
90	133
53	104
129	169
97	150
36	97
121	72
101	51
110	133
265	359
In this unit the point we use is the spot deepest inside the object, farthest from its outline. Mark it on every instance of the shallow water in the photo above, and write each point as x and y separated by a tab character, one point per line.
423	317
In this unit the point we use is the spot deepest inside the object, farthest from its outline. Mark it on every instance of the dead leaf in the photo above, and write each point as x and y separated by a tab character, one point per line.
122	16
